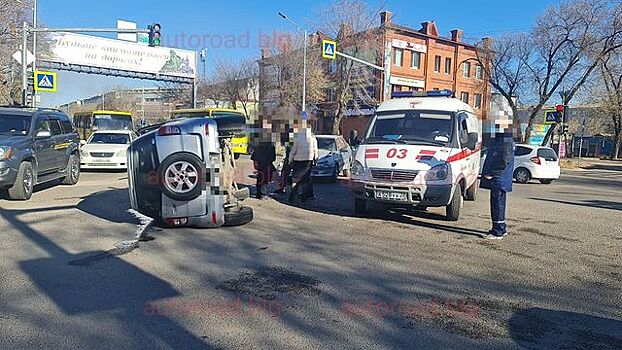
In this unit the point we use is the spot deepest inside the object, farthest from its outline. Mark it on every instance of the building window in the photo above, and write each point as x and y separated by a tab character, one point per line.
447	65
415	60
398	56
437	64
478	101
479	74
464	96
466	69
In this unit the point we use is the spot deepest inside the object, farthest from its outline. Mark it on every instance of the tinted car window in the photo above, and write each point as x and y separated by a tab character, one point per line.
67	126
521	151
14	124
117	139
547	154
327	144
55	127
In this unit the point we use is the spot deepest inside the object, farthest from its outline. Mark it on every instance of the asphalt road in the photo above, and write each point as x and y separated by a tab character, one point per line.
315	276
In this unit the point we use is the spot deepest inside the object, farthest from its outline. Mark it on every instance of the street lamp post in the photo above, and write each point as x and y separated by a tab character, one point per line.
304	61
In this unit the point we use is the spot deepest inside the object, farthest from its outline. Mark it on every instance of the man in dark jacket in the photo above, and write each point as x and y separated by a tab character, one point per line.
497	175
263	159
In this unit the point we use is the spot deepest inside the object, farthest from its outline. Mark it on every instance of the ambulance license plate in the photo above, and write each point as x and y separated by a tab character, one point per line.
391	196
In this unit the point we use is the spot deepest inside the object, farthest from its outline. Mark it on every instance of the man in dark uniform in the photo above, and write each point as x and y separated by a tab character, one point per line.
497	173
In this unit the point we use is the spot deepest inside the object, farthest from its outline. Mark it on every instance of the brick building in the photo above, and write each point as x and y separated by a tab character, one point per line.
413	59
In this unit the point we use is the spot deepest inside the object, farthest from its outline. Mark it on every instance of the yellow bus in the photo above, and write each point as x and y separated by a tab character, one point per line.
87	122
231	123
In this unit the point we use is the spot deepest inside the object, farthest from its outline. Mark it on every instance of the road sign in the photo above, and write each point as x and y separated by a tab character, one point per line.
29	57
45	81
552	116
329	49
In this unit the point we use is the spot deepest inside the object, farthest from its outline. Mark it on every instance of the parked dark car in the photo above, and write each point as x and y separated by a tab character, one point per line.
36	145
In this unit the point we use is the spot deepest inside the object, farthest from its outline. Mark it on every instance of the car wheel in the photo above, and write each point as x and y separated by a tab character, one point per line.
360	205
24	183
239	217
471	192
522	175
182	176
452	211
236	156
546	181
72	175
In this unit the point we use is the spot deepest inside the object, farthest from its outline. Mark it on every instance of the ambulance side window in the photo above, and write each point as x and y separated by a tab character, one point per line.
463	129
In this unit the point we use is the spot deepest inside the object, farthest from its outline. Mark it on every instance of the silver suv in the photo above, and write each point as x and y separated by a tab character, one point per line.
182	174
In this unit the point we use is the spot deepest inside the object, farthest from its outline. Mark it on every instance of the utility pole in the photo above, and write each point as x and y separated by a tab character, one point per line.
34	48
562	132
304	62
581	143
24	64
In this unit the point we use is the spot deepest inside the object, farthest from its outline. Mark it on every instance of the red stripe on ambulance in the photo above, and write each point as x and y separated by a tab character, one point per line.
372	153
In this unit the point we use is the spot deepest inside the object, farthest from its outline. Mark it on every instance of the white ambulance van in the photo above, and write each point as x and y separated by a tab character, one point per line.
421	149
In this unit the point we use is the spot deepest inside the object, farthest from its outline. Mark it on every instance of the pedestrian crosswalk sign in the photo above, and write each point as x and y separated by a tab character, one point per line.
329	49
45	81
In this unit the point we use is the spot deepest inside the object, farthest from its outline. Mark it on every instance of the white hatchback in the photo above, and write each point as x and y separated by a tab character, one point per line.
535	162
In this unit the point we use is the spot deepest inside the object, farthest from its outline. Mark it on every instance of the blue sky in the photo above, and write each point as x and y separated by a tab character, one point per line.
221	18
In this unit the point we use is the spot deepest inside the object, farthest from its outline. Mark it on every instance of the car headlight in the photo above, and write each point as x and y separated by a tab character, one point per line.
122	153
357	168
84	153
438	172
5	153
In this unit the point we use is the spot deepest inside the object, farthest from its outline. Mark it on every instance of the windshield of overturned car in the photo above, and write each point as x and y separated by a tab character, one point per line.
14	125
327	144
412	127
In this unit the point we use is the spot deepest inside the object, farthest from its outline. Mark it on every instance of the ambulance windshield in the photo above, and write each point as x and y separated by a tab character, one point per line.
416	127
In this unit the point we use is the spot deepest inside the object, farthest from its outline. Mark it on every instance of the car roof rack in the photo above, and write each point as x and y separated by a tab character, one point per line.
432	93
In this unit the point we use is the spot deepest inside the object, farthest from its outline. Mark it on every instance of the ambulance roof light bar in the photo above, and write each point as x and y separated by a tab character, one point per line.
433	93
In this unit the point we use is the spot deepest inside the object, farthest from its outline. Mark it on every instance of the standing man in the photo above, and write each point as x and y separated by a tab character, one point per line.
497	173
302	156
264	155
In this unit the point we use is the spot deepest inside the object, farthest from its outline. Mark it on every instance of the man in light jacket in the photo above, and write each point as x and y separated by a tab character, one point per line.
302	156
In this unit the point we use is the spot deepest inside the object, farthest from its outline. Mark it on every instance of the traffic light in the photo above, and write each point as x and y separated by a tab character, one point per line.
154	34
559	108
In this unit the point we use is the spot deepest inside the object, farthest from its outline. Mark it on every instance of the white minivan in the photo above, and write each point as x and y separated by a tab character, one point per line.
420	149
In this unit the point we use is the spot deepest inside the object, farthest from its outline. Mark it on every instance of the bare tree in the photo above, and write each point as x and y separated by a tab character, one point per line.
12	15
352	23
281	76
236	82
503	61
570	41
611	96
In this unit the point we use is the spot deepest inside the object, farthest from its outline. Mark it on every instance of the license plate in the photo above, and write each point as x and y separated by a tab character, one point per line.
101	161
391	196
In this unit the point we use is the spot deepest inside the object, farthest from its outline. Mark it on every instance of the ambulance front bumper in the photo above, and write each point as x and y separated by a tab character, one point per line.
403	193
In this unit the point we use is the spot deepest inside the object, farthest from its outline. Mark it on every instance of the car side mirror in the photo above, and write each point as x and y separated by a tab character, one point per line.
472	140
43	134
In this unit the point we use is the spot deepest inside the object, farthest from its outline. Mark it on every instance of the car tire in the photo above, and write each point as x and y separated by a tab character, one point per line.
471	192
239	217
452	210
183	176
236	156
24	183
360	205
72	175
546	181
522	175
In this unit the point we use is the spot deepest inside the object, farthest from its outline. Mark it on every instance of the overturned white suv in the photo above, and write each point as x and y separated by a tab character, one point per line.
182	174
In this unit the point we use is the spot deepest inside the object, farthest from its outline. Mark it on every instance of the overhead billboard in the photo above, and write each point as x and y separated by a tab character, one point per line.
92	51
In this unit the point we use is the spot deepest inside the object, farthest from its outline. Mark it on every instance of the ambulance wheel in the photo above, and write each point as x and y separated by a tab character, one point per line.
183	176
238	217
360	205
452	210
471	192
